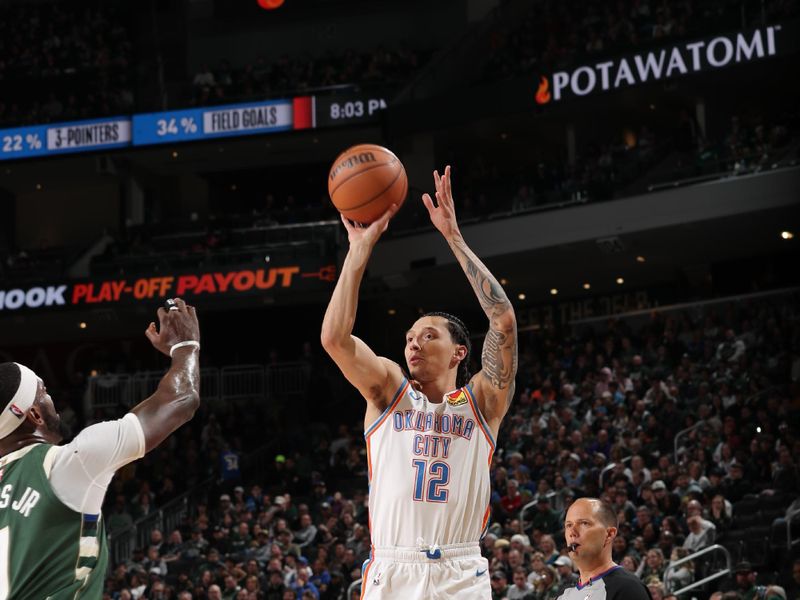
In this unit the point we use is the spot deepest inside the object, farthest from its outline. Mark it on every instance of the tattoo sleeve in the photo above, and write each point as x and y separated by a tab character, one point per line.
499	355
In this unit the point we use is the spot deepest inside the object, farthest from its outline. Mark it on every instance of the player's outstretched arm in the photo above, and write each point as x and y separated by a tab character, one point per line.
367	372
495	381
178	394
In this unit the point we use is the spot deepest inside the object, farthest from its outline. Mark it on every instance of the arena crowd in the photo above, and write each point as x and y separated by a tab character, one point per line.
596	414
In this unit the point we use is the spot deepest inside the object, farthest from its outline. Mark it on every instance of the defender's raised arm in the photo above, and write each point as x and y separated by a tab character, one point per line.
178	394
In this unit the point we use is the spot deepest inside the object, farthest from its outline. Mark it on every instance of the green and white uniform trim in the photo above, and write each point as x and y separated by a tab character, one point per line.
47	550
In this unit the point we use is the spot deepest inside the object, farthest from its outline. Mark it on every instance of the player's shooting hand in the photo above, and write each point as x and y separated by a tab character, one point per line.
367	235
443	213
174	326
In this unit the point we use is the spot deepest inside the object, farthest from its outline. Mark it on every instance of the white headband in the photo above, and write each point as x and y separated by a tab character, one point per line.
14	412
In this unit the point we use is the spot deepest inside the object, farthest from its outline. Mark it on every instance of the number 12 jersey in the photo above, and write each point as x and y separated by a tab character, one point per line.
428	465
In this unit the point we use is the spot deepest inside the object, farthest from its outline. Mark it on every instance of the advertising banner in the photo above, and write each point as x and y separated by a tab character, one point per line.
194	287
659	64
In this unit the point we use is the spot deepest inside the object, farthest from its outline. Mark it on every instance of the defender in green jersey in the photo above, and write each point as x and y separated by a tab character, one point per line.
52	539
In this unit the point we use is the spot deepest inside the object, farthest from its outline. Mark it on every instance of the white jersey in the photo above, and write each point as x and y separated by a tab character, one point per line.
429	471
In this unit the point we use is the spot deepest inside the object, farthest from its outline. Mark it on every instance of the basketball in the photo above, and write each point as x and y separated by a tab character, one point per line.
365	180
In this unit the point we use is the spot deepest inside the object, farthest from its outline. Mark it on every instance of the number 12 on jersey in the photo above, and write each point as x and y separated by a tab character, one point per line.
437	474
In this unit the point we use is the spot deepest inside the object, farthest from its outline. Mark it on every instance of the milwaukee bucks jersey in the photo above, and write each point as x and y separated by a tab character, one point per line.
47	550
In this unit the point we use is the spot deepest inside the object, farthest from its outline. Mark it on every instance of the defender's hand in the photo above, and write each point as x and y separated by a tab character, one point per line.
174	326
443	214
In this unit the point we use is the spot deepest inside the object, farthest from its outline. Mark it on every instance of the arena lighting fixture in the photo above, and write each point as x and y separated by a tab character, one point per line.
233	187
620	280
787	235
503	281
521	296
270	4
174	154
587	286
640	259
82	324
392	311
553	291
38	186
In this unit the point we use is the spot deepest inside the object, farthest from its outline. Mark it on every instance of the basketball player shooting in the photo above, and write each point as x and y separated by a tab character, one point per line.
52	539
430	436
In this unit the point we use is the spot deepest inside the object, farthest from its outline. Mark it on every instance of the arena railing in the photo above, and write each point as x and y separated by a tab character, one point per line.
170	516
288	379
673	566
748	164
243	382
137	535
609	467
646	313
791	513
356	585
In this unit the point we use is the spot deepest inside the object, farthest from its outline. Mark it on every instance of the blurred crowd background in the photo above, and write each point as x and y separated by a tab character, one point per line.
686	420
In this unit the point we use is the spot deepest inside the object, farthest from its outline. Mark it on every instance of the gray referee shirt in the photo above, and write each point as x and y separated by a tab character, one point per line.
614	584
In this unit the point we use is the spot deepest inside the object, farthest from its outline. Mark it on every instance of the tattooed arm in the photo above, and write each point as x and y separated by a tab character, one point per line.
494	384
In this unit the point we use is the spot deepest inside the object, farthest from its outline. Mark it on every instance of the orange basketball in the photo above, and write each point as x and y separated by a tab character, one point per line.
365	180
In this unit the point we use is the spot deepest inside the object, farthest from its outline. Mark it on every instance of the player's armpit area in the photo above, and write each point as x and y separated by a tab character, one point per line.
375	377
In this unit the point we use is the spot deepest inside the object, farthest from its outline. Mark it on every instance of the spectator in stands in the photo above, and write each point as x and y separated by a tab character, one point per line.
306	533
547	546
119	518
720	514
746	582
791	583
735	486
652	566
275	586
521	589
153	563
566	575
730	350
684	574
630	563
511	502
656	588
545	520
785	472
303	584
499	584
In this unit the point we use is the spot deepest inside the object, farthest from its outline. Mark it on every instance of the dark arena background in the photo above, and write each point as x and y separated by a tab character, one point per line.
629	170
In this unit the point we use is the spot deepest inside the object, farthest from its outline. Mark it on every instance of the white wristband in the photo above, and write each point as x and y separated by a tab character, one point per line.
194	343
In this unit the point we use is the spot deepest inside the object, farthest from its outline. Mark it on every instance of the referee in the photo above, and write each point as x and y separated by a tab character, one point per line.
590	529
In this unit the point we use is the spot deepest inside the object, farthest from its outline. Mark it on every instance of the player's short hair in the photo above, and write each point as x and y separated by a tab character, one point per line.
10	379
460	334
606	514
